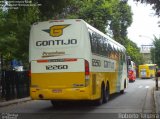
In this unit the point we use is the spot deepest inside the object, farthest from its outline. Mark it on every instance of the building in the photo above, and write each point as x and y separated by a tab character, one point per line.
146	53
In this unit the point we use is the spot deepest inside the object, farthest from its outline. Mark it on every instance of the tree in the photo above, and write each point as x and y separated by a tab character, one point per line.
121	20
155	52
134	52
154	3
50	9
14	35
101	14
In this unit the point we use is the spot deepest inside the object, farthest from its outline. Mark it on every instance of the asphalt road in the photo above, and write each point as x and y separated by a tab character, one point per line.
134	103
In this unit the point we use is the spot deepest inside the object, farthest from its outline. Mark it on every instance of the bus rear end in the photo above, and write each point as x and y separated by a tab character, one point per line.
59	66
147	70
143	71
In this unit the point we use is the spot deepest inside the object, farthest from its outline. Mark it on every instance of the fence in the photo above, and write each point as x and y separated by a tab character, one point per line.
14	85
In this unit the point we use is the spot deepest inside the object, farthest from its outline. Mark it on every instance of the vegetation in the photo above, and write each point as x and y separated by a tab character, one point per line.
110	16
134	52
155	52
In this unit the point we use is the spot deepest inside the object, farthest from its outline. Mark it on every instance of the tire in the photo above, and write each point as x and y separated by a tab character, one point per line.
106	95
122	92
100	101
56	103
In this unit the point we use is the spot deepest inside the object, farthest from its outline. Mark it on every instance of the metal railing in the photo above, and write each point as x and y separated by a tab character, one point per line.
14	84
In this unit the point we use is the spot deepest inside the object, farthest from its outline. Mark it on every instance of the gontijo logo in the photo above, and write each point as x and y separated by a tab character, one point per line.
56	30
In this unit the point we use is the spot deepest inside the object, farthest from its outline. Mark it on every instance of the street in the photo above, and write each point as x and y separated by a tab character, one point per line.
137	98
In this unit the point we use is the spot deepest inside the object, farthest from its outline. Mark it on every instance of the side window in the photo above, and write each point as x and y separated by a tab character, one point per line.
95	43
104	46
99	44
91	40
109	49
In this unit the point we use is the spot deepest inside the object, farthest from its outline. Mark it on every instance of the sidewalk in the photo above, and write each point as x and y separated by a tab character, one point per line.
6	103
157	100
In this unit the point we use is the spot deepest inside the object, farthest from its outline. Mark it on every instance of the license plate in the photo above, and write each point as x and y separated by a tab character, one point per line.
57	91
143	73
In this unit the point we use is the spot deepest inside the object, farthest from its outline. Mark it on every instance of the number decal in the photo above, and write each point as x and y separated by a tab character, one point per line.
56	67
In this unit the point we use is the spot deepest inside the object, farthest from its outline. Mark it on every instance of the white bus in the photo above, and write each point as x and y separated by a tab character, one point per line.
71	60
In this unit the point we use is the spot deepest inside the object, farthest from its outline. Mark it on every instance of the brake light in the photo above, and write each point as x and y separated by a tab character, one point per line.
78	20
130	72
70	60
29	71
58	20
86	67
42	61
86	73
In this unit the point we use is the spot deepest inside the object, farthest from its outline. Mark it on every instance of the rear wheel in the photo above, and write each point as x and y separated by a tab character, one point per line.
99	101
56	103
106	95
122	91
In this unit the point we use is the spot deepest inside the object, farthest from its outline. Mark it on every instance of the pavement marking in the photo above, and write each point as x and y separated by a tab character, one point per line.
147	86
141	86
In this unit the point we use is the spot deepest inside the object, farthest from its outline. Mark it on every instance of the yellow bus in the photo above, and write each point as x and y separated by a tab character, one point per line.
147	70
71	60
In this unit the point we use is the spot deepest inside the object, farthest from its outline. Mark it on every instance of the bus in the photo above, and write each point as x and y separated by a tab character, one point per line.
72	61
147	70
132	72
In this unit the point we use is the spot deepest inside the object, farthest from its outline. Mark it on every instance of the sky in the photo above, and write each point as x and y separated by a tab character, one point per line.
145	24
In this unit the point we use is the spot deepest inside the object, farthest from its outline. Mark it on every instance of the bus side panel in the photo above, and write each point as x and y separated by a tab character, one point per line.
98	78
103	70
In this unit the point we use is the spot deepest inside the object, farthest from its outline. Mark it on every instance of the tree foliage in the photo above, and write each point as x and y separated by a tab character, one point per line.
14	35
134	52
101	14
155	52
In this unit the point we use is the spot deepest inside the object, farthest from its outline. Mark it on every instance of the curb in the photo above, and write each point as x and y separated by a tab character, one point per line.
7	103
156	96
156	103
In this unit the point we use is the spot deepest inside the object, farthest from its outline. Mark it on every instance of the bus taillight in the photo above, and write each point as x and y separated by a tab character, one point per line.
29	71
130	72
87	72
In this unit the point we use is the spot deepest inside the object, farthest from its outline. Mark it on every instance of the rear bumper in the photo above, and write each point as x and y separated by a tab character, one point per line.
131	77
60	94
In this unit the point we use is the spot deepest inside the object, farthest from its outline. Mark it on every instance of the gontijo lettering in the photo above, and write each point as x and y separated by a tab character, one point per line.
56	42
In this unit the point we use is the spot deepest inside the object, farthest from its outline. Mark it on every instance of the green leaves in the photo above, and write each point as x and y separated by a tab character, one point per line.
155	52
14	35
134	52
